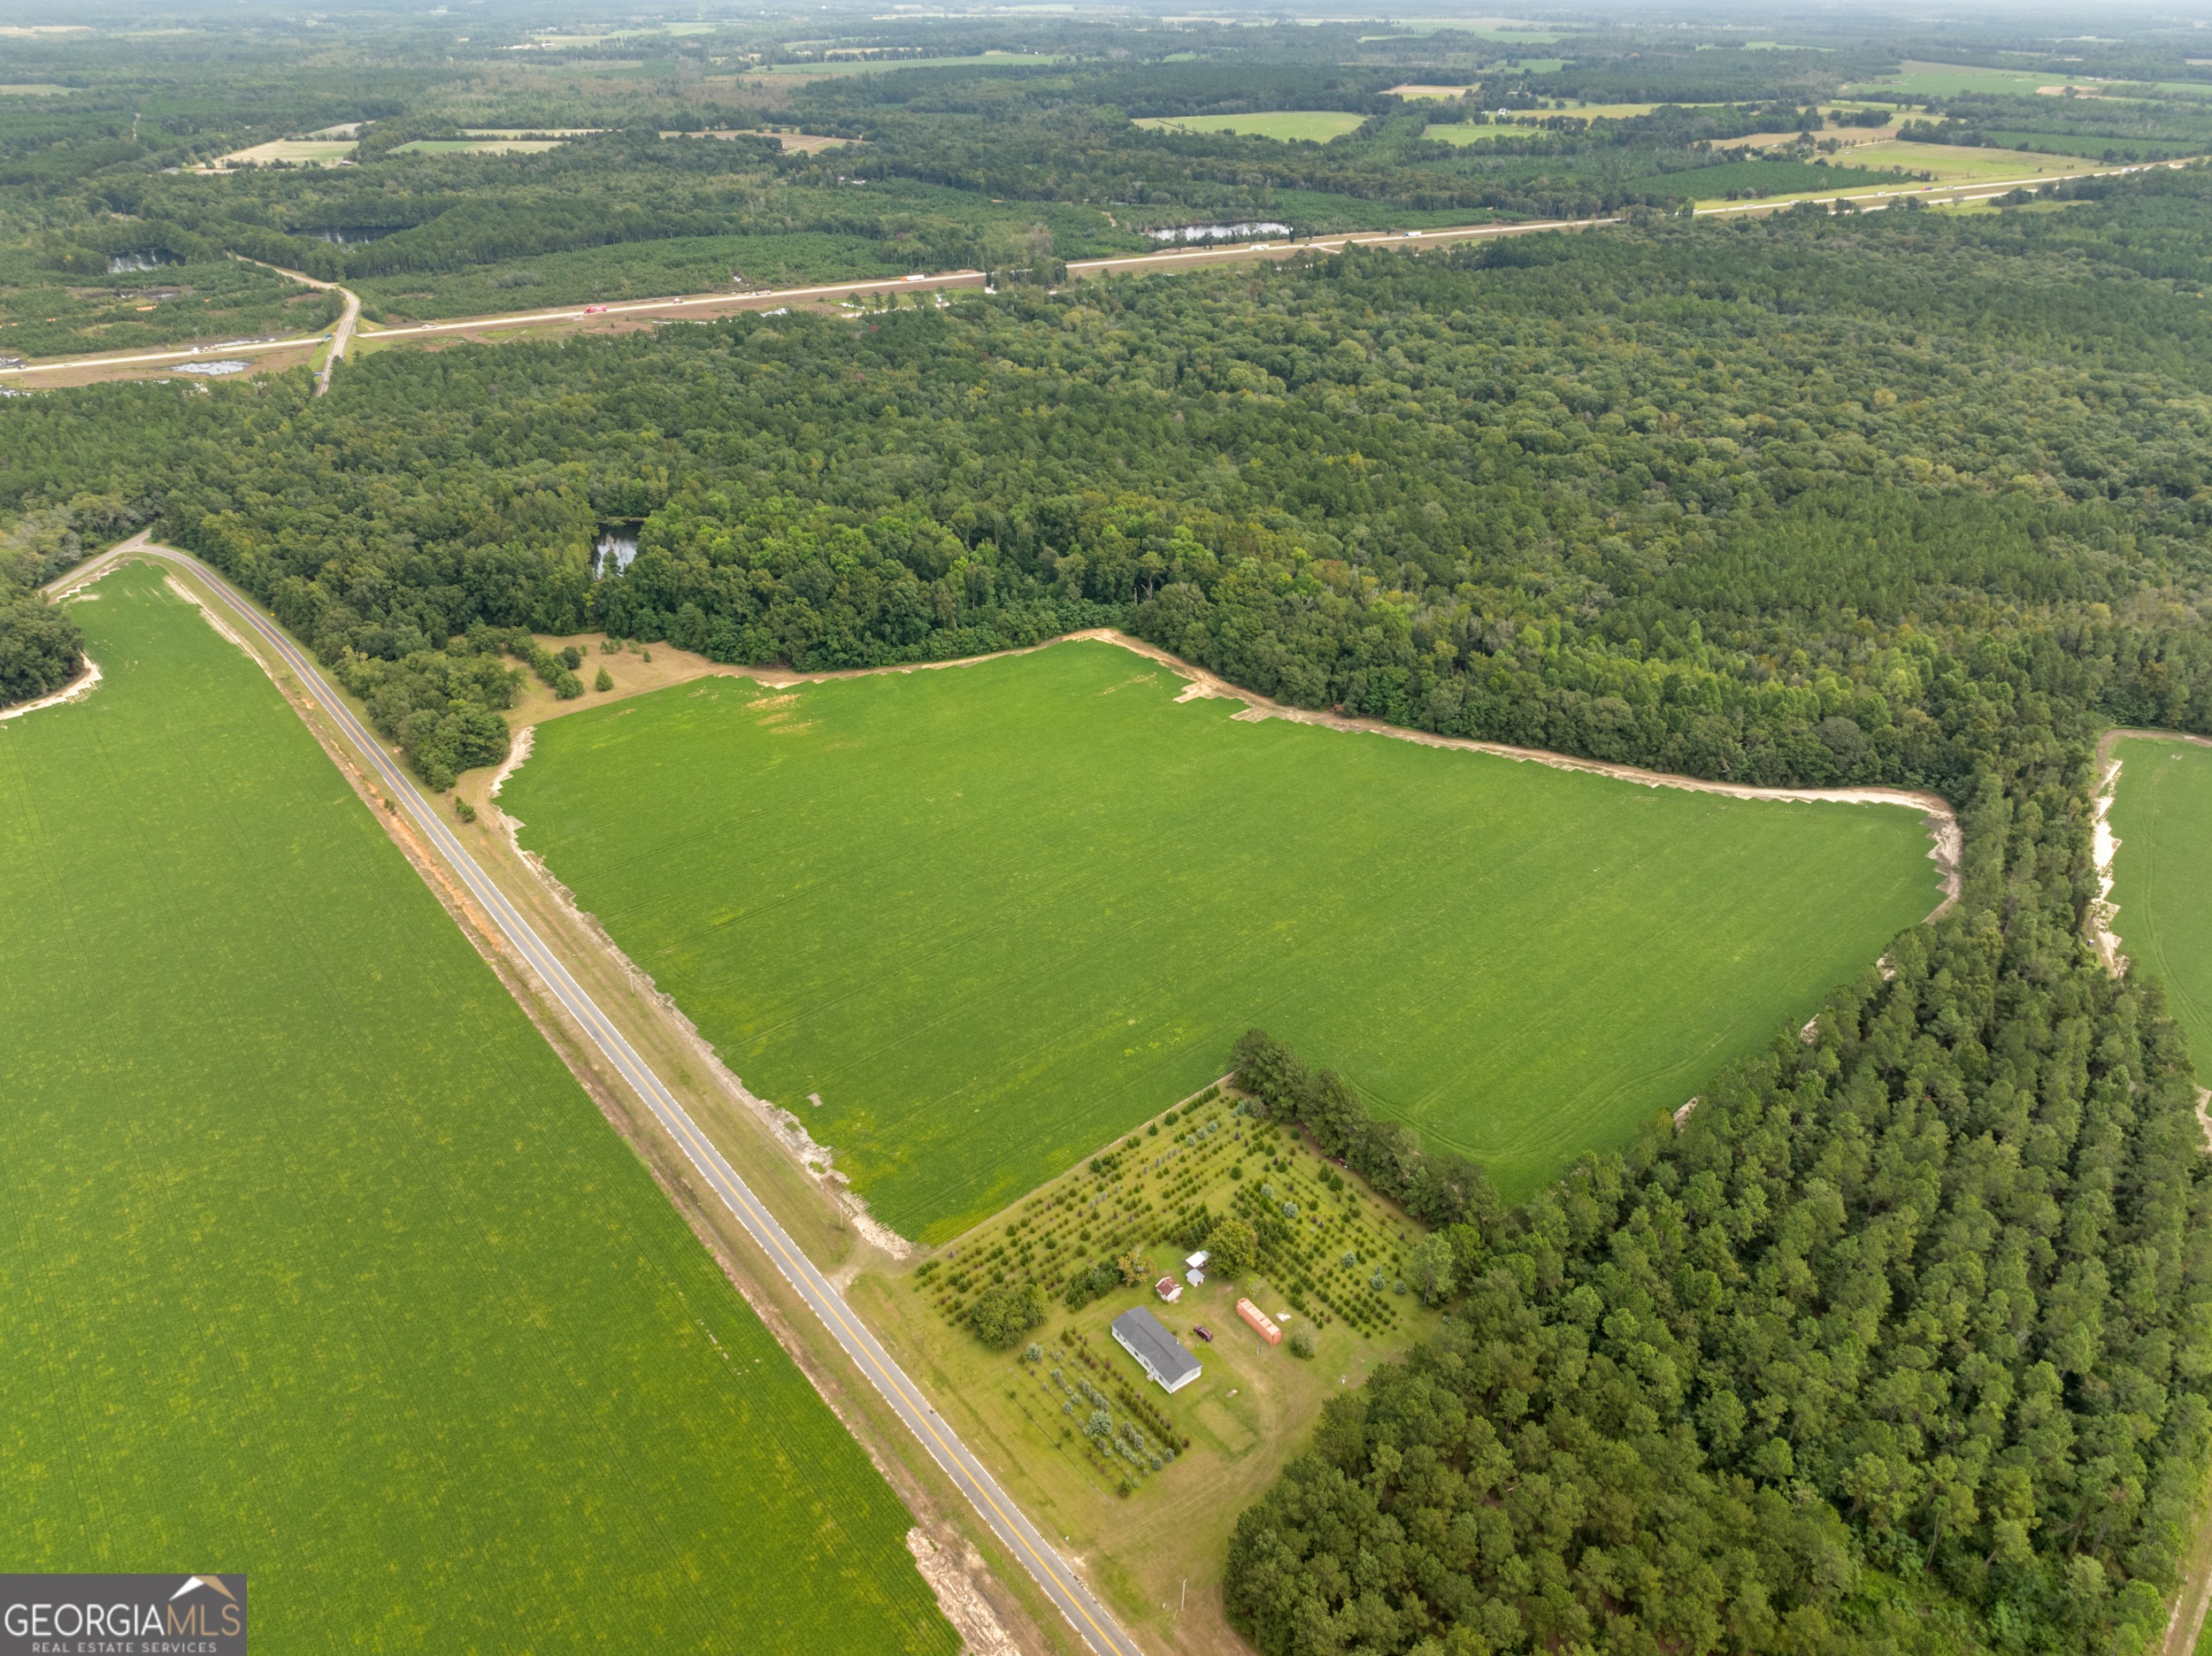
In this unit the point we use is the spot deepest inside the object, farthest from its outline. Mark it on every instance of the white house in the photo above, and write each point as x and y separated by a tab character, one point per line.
1161	1355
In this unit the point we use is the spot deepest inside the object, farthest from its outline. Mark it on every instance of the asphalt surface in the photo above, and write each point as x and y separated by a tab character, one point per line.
1164	258
1061	1585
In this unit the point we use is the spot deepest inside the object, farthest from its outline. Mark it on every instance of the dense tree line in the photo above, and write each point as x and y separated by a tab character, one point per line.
1903	1344
1808	499
41	649
1440	1188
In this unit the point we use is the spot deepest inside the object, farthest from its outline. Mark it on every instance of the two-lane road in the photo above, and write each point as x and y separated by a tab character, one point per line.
1085	1613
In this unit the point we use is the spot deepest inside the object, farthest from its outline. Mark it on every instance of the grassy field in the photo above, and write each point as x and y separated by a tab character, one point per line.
480	146
994	915
1923	79
1319	126
2162	877
852	65
317	1261
1760	178
1957	164
1249	1409
2096	148
297	151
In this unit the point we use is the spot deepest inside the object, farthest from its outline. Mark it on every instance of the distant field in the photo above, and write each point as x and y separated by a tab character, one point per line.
34	90
1772	178
478	146
994	915
1461	132
319	1263
1955	163
298	151
1319	126
1921	80
845	66
2161	813
2094	149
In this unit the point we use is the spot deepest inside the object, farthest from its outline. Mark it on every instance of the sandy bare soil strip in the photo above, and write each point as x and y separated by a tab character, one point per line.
967	1609
2104	845
1943	824
76	690
818	1160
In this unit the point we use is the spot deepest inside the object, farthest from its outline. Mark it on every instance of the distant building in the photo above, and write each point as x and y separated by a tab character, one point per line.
1157	1352
1262	1323
1197	1262
1168	1289
1196	1277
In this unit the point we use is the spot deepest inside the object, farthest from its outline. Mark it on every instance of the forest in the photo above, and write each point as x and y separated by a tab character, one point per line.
1903	1341
1791	501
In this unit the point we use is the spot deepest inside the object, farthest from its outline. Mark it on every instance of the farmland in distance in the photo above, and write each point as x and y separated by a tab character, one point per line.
319	1265
2161	876
992	915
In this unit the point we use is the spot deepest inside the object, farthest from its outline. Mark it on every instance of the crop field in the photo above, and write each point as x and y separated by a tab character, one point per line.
1750	179
1319	126
480	146
814	69
2096	148
1957	164
296	151
1921	80
994	915
2162	877
319	1265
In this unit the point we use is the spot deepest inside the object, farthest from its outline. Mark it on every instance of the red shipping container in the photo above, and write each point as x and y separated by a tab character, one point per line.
1263	1324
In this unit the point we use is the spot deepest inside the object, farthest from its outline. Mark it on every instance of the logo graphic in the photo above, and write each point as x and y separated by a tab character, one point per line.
122	1615
190	1582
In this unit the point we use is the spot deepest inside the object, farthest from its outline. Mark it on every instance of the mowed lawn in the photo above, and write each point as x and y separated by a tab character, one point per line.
994	915
317	1265
2162	877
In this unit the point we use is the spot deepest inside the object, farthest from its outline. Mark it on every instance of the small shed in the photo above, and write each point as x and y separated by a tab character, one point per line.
1157	1352
1196	1277
1197	1262
1168	1289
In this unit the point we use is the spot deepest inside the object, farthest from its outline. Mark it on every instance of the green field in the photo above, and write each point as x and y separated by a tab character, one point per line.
2162	877
994	915
1319	126
887	66
478	146
1924	80
318	1265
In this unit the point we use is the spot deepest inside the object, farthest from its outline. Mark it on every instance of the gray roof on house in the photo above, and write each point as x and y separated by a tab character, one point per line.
1157	1349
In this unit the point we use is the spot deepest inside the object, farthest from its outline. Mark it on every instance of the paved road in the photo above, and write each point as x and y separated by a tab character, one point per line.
338	335
1060	1582
1165	259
